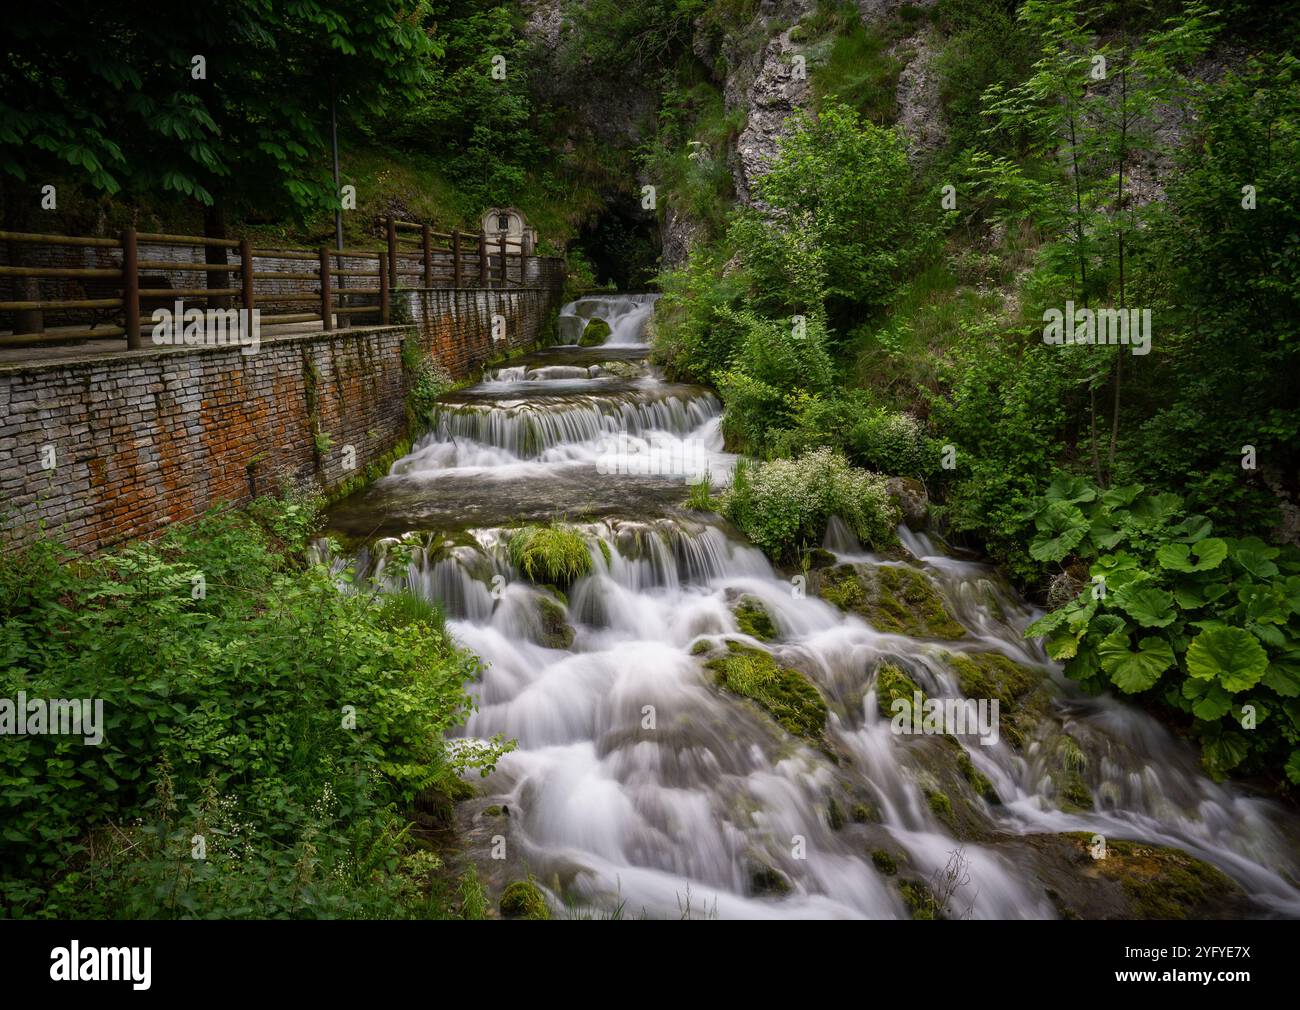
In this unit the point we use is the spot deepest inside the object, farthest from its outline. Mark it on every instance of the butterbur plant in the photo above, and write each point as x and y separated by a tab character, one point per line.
1208	625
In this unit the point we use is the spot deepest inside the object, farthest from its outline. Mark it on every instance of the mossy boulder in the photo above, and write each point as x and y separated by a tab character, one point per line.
557	633
765	880
1134	880
785	694
884	862
594	333
895	599
524	900
1019	691
910	496
549	555
753	619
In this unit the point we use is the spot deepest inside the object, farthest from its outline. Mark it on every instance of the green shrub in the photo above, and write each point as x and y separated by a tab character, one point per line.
892	443
784	505
245	699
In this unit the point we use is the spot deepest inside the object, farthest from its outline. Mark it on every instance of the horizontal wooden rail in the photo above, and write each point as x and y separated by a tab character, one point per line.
27	236
160	238
8	271
62	303
53	336
187	265
187	292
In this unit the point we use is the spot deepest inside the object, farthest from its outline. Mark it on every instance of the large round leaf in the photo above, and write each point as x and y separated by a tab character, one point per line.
1149	606
1231	656
1179	557
1133	671
1060	529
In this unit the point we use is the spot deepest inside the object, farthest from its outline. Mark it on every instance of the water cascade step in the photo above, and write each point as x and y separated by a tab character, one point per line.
700	733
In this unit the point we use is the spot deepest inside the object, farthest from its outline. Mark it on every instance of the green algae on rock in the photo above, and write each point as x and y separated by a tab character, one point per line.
895	599
524	900
753	619
785	694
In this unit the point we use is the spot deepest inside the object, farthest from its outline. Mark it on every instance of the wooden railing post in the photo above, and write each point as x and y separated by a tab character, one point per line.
383	290
131	290
326	302
482	260
455	257
427	235
392	251
246	275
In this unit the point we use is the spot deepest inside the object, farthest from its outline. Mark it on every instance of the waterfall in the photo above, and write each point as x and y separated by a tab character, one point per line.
639	778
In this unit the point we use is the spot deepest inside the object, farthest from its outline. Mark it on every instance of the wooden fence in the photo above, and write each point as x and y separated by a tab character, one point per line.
329	283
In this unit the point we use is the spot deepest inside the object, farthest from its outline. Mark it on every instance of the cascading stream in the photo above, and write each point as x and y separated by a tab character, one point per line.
639	780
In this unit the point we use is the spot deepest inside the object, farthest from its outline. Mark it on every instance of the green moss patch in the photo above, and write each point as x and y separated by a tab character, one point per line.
785	694
557	633
753	619
1160	883
893	684
594	334
892	598
524	900
992	675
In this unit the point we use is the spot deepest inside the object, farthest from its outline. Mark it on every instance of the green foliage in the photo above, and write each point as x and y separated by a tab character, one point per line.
784	505
106	93
550	555
426	381
1211	623
228	712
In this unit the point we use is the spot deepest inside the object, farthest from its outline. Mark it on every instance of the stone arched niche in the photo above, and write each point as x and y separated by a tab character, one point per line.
510	222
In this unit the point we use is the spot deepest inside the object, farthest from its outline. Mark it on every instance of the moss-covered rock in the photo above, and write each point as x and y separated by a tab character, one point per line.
884	862
524	900
919	899
1134	880
893	684
765	880
594	333
557	633
979	781
549	555
1018	690
785	694
496	810
753	619
939	803
834	814
1068	763
892	598
863	813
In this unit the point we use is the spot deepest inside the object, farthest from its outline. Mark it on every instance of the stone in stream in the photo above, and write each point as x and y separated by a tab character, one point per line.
1134	880
894	599
595	333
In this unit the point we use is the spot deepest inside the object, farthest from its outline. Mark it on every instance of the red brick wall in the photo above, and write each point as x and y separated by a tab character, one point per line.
145	438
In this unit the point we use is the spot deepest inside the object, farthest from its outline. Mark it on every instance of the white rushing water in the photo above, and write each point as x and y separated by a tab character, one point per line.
638	780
